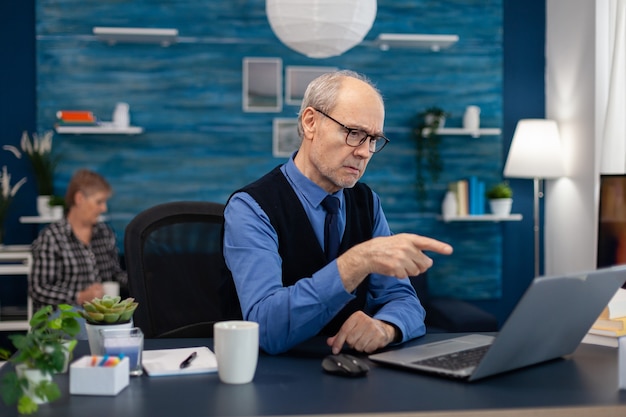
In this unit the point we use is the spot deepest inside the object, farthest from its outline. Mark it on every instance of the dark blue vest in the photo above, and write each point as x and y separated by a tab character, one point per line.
298	246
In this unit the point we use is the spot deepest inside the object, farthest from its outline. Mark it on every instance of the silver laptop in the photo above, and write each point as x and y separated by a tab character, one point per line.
549	321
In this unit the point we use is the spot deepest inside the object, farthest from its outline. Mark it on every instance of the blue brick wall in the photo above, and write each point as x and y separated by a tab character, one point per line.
198	144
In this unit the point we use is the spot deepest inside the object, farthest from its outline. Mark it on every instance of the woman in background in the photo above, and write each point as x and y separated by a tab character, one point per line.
75	255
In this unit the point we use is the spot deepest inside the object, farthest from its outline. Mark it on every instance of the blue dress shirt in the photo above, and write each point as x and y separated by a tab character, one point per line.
290	315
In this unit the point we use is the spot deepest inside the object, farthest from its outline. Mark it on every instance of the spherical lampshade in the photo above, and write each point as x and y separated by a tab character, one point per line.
321	28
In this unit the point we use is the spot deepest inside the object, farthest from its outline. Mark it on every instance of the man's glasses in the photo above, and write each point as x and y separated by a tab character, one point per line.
356	137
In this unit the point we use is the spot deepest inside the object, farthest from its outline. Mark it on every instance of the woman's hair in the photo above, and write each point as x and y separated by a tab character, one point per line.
86	181
322	92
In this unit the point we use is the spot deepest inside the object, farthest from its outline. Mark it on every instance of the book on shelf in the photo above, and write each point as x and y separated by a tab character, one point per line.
476	196
76	116
460	189
616	306
596	339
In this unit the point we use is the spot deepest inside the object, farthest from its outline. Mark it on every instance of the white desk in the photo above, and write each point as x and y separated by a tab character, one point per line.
16	260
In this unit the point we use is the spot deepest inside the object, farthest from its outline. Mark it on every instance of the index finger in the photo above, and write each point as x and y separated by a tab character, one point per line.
428	244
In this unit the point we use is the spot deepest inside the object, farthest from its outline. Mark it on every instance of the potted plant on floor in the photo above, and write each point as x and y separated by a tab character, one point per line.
43	351
106	313
500	198
427	141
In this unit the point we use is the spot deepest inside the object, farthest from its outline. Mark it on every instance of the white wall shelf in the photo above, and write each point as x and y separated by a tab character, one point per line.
113	35
481	218
459	131
421	41
101	129
16	260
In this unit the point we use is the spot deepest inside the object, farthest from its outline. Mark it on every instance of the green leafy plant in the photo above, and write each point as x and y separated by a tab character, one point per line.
108	310
46	347
39	152
56	200
500	190
427	141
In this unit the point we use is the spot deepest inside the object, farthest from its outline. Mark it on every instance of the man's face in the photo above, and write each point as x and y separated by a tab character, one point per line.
333	163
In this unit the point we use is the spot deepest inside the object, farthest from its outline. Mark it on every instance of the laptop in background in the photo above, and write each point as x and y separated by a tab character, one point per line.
548	322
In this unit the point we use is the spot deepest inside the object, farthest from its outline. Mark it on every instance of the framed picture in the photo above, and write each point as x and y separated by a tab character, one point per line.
285	139
262	85
298	78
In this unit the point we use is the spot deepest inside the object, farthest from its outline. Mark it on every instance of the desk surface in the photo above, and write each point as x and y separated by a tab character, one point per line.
296	385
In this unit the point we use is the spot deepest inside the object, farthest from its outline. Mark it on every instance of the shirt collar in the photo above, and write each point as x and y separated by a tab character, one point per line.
313	193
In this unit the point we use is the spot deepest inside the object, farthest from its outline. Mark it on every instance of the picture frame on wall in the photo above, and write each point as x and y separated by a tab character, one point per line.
285	138
297	78
262	84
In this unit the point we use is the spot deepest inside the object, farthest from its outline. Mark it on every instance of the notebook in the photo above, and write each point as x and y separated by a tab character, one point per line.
549	321
163	362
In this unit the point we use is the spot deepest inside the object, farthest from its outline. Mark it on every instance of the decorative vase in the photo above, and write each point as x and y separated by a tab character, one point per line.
501	207
449	207
34	377
93	334
43	206
471	118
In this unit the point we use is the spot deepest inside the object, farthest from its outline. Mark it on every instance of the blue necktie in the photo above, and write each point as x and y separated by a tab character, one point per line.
331	227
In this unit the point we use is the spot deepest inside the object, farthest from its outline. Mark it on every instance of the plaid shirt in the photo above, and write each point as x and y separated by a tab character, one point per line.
64	266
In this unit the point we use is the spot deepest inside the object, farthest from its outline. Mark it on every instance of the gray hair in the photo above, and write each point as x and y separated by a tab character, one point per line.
321	93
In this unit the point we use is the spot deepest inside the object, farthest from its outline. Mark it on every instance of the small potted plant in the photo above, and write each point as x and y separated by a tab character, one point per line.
107	312
46	349
427	140
500	198
57	206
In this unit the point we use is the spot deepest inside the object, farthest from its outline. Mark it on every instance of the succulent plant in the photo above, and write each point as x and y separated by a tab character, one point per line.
108	310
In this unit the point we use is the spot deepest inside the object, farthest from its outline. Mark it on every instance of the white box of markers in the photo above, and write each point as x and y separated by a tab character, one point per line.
87	377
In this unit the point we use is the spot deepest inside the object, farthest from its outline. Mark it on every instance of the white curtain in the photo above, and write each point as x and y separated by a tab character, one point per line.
613	140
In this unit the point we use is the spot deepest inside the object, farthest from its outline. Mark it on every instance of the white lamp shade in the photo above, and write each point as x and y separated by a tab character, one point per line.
321	28
535	151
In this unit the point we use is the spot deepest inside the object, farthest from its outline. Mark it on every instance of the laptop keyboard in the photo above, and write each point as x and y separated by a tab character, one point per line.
457	360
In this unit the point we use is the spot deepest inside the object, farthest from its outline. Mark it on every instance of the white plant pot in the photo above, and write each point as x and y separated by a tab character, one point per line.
93	334
501	207
56	212
34	377
67	353
43	206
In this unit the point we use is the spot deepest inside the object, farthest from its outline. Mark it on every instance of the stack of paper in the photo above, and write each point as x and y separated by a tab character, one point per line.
167	361
611	324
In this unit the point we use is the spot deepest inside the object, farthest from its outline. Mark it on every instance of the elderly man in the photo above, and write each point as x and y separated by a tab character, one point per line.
302	267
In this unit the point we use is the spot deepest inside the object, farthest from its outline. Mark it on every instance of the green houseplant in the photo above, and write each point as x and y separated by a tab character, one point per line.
106	313
39	152
7	192
500	190
43	351
500	198
108	310
427	141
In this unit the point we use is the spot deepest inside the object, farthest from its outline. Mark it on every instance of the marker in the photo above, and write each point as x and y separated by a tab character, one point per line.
104	360
188	361
94	361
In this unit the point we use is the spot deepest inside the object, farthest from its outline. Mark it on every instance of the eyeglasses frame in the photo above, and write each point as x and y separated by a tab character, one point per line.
351	129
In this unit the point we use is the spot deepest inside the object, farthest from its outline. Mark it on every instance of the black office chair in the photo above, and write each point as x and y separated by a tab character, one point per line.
176	270
451	315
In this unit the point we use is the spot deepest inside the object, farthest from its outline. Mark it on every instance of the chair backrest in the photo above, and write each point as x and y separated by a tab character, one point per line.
176	270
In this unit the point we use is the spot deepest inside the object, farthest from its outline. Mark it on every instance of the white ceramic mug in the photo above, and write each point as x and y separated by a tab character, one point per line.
236	345
111	288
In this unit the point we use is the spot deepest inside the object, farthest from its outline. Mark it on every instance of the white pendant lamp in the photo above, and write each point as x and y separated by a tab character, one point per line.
321	28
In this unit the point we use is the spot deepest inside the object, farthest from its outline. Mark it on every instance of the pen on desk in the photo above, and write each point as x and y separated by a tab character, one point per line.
188	360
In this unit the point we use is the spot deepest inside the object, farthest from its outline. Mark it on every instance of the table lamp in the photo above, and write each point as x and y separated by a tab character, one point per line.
535	153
